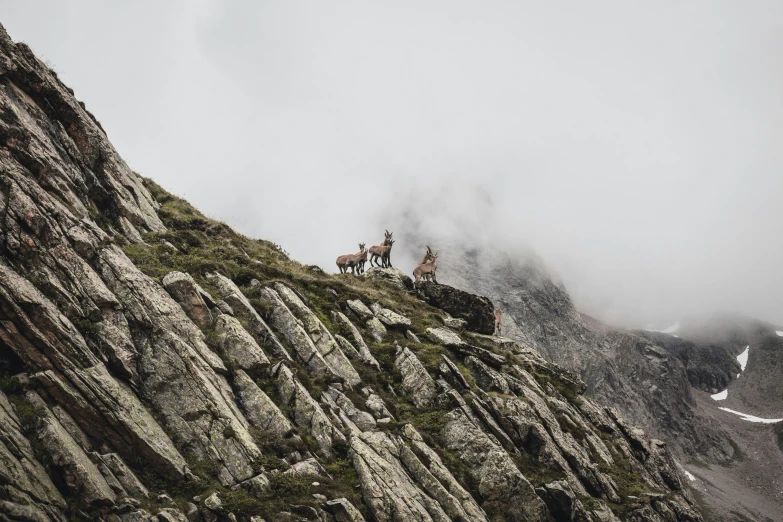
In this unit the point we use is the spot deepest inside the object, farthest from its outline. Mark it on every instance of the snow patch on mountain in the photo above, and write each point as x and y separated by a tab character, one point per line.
751	418
720	396
743	358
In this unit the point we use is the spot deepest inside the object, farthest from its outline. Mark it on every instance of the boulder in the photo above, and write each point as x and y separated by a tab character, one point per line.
497	478
390	318
392	276
343	511
377	330
360	309
477	311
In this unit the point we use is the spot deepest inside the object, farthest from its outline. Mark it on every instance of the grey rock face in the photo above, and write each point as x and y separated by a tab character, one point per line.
185	291
343	511
377	330
238	345
19	468
80	475
176	358
499	480
259	409
392	276
320	335
242	309
294	333
364	352
360	309
415	380
390	318
363	420
307	413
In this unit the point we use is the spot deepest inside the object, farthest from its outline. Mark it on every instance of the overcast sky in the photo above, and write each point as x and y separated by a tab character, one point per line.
636	146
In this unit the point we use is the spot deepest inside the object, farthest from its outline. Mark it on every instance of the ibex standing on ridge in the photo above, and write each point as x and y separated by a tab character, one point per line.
352	261
427	256
426	270
382	251
498	322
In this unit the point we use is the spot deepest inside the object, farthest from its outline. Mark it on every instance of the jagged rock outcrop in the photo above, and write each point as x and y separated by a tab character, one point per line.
390	318
259	409
186	292
477	311
239	346
361	347
306	412
416	382
242	309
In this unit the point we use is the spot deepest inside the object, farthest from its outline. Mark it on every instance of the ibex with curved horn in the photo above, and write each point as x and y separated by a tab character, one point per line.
352	261
427	256
382	251
427	270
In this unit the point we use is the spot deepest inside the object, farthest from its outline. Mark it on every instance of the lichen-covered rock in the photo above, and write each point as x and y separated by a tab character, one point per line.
322	338
363	420
307	467
130	483
259	409
455	323
238	345
307	413
294	333
392	276
387	489
347	348
446	337
477	311
499	481
75	468
343	511
242	309
390	318
360	309
185	291
364	352
415	380
20	470
377	330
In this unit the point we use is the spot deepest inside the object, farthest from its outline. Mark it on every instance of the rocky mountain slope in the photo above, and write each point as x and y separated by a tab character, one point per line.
658	381
155	365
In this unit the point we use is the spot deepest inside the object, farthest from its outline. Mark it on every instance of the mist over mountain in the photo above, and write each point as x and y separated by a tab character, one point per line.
634	148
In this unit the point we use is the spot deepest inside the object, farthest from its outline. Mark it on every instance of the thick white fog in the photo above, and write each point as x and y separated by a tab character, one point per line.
634	145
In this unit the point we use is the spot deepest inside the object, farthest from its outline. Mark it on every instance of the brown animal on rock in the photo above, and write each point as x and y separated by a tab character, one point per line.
353	261
427	257
498	322
426	270
383	252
